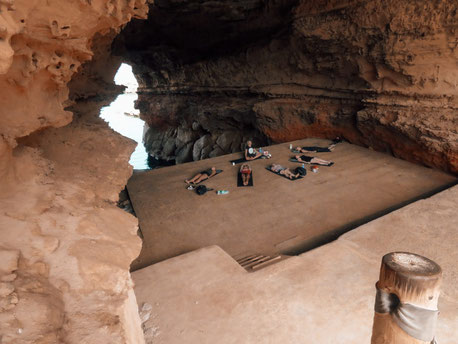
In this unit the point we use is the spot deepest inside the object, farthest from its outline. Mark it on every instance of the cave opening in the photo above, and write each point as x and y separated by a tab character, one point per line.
122	116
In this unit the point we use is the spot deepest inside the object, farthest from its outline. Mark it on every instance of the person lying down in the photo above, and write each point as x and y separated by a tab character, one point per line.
313	160
201	176
315	149
284	171
245	172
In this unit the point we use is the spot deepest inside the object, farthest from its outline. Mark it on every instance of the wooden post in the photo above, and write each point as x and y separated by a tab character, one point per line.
413	279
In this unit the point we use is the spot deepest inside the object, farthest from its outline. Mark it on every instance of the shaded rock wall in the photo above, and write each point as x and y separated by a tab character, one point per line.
382	74
65	247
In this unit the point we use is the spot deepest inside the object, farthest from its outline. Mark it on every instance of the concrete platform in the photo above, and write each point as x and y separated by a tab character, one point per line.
323	296
275	215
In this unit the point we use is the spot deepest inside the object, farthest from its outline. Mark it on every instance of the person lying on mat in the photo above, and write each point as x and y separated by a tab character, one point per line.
315	149
245	172
252	154
202	176
283	171
313	160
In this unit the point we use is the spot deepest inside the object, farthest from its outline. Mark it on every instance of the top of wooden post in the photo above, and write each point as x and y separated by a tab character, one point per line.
411	264
413	278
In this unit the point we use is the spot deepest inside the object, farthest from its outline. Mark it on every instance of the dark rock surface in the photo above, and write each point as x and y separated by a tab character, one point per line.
381	74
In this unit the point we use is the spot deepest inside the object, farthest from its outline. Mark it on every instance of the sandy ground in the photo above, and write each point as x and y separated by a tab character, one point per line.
323	296
276	215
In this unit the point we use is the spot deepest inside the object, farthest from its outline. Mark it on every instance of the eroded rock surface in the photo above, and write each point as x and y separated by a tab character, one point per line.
65	247
382	74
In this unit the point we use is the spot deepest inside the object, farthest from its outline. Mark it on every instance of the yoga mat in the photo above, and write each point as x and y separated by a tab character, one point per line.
313	149
238	161
240	181
281	175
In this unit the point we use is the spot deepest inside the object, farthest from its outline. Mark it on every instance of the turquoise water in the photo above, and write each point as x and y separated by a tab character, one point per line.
123	118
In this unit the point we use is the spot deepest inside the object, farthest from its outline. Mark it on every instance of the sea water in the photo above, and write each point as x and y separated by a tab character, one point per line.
123	118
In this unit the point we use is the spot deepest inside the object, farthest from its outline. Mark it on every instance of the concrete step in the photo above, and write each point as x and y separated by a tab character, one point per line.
256	262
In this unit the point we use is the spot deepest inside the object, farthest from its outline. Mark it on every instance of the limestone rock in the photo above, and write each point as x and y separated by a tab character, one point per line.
202	147
8	261
60	180
6	289
8	278
185	135
169	147
184	154
227	139
308	68
216	151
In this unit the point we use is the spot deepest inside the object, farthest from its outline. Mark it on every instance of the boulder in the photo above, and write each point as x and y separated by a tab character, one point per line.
206	152
226	139
184	136
199	146
184	154
217	151
169	147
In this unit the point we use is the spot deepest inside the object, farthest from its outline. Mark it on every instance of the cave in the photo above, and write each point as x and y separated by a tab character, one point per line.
380	75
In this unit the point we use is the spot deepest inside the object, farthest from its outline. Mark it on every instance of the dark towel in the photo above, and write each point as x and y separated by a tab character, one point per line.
240	181
316	149
281	175
313	149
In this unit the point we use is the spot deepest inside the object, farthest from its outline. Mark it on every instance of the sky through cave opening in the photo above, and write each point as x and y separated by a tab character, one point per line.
124	118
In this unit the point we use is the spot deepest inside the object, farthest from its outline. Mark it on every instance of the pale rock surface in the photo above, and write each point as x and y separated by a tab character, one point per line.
65	247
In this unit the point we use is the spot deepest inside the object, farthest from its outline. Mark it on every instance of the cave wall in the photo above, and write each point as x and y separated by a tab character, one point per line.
65	247
382	74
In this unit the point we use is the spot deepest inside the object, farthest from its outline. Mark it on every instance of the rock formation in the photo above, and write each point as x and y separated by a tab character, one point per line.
65	247
382	74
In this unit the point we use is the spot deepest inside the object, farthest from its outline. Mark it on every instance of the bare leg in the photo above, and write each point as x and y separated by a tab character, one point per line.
290	174
191	180
194	179
201	178
320	161
257	155
285	172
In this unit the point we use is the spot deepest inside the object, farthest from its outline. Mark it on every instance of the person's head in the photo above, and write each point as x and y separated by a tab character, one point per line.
213	168
249	143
